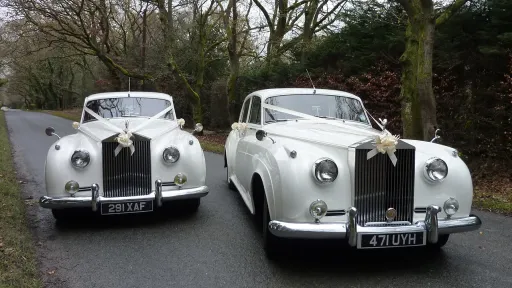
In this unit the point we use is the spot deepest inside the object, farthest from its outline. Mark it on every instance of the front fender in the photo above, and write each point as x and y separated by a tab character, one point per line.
58	168
191	161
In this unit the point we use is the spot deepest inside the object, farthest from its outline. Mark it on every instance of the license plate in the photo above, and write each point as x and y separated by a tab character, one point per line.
368	241
126	207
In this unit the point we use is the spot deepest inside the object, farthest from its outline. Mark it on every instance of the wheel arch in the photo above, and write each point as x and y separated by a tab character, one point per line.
261	186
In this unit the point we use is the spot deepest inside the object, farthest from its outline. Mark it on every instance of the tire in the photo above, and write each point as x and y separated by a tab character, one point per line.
62	215
191	205
231	186
441	241
270	241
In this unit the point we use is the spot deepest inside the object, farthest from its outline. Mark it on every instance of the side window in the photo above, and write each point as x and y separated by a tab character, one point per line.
255	116
245	110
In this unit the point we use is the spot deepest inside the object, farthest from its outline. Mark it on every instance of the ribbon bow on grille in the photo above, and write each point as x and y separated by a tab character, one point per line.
124	140
385	143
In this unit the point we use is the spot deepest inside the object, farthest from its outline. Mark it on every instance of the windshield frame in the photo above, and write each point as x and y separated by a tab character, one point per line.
173	110
264	113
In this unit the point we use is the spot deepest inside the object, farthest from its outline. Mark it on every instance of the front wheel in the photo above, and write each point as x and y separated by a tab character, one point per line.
62	215
191	205
441	241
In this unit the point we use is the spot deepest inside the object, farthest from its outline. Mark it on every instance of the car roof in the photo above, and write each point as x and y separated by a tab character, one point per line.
266	93
122	94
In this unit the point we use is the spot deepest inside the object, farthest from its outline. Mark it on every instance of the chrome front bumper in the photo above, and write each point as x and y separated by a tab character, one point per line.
92	201
350	230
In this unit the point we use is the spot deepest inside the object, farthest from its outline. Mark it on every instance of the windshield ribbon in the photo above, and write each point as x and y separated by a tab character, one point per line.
124	137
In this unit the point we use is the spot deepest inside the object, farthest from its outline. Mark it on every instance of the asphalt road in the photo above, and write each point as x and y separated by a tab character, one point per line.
219	246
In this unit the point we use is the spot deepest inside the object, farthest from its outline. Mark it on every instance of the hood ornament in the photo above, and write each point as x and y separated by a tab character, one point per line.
383	122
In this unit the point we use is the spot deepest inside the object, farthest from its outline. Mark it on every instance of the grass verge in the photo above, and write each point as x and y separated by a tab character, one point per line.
18	266
494	201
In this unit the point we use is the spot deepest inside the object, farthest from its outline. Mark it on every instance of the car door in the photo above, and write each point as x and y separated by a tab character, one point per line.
241	147
248	140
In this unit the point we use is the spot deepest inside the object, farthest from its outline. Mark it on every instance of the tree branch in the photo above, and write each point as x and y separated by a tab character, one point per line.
452	9
265	13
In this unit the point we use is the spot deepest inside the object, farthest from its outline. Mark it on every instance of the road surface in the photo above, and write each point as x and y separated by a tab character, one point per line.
219	246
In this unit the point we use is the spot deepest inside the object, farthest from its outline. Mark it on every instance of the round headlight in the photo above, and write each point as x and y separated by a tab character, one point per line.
72	187
80	158
171	154
325	170
451	206
318	209
436	169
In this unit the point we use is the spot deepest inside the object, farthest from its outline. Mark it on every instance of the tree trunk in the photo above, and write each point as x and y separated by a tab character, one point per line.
234	62
307	35
417	96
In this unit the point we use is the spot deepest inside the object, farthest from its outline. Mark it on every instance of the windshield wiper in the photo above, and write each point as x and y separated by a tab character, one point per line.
328	117
278	120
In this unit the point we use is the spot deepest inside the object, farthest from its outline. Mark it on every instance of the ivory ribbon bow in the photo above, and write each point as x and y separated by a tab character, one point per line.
124	142
181	122
239	126
385	143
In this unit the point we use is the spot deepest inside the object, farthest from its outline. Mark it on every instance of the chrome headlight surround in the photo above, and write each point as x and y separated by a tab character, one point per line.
319	170
171	154
80	158
435	170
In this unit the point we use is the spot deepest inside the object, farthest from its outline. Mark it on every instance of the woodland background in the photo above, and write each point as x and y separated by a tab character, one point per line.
209	54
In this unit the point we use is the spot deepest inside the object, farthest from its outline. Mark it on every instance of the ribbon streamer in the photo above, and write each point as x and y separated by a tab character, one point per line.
385	142
309	117
124	137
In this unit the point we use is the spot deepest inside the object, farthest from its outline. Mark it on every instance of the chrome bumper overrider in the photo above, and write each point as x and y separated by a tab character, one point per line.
92	201
350	230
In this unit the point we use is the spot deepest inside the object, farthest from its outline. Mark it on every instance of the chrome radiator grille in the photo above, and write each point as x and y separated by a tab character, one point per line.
125	175
379	185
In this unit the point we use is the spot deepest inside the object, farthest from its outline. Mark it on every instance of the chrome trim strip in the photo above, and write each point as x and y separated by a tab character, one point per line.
95	199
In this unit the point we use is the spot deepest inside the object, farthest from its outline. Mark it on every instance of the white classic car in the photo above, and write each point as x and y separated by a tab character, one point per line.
129	155
308	164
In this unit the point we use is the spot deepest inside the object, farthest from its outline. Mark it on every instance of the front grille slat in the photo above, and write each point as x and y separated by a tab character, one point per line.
126	175
379	185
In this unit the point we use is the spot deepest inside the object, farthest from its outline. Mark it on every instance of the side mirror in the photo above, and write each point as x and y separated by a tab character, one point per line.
50	131
198	129
436	136
260	134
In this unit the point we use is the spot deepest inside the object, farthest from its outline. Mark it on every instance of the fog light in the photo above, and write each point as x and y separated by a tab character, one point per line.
318	209
451	206
180	179
72	187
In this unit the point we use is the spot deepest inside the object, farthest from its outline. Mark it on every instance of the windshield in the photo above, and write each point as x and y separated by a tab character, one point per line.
128	107
324	106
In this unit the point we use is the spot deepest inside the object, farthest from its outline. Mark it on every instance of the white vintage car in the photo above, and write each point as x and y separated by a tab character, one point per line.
308	163
129	155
